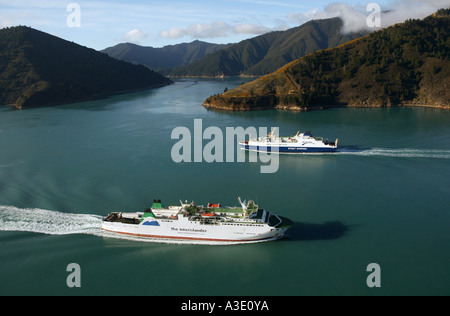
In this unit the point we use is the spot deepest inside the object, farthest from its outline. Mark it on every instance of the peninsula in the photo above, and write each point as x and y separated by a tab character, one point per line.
405	64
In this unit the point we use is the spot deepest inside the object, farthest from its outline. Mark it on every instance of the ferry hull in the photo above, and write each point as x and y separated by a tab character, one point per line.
178	231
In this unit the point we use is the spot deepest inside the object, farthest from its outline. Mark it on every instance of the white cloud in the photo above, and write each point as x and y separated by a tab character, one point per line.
247	28
208	30
213	30
200	30
135	36
175	32
355	17
411	9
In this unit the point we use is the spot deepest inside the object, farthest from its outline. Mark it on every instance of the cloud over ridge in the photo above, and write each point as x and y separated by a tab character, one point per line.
213	30
355	16
135	36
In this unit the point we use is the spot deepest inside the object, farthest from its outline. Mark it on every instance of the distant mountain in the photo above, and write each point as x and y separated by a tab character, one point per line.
163	58
38	69
266	53
408	63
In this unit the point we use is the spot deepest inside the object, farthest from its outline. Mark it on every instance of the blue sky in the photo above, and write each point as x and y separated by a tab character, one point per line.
159	23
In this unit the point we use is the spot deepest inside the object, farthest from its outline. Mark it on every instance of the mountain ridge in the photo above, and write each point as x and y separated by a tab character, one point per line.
265	53
39	69
405	64
164	58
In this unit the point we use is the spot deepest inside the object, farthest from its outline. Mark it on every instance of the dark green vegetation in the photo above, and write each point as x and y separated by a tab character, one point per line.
162	59
266	53
407	63
38	69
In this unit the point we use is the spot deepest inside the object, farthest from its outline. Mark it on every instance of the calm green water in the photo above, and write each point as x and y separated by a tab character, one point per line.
384	199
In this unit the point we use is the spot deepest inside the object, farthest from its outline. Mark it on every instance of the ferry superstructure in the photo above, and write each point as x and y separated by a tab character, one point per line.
211	224
300	143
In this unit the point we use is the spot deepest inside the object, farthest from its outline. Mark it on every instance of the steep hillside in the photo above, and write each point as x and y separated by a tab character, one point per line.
266	53
38	69
407	63
166	57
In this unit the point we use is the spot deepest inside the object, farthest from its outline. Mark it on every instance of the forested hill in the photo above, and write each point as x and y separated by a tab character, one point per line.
266	53
164	58
408	63
38	69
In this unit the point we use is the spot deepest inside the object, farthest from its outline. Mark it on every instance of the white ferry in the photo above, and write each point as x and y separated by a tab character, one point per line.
212	223
300	143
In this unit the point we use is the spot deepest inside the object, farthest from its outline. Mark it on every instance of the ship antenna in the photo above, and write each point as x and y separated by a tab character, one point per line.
271	134
244	206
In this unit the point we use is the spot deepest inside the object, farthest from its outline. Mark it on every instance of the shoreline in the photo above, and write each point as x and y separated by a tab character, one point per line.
91	98
318	108
216	77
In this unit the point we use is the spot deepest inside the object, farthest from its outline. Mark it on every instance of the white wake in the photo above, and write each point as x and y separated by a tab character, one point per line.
48	222
398	152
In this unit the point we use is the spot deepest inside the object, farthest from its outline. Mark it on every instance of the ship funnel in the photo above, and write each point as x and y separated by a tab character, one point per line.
157	204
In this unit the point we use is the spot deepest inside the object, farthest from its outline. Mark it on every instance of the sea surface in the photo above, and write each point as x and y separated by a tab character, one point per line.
383	198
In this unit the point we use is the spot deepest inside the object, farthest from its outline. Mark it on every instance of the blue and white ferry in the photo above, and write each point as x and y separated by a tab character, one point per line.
300	143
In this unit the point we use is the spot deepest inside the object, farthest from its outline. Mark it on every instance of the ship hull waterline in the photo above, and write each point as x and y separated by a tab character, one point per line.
177	238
